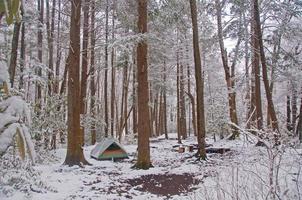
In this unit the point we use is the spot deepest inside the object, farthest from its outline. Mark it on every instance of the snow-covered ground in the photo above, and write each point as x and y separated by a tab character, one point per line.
242	173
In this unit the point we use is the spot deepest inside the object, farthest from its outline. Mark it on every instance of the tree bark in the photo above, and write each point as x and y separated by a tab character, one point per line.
92	69
84	75
143	159
14	53
165	103
182	104
50	33
22	55
258	35
288	113
134	98
40	53
106	70
178	99
113	72
256	69
229	73
299	124
201	132
75	154
59	52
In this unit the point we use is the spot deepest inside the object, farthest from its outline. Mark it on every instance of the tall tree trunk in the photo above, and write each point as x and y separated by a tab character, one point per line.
179	133
84	74
255	65
143	159
288	113
258	35
75	137
59	52
182	103
106	70
134	97
294	107
247	74
229	73
112	75
201	131
165	103
50	32
22	55
92	69
299	124
14	53
40	53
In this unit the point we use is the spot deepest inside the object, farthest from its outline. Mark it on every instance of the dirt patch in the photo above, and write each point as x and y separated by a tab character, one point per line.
165	184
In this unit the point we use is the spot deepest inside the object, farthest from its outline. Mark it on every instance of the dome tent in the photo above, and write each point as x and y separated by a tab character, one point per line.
108	149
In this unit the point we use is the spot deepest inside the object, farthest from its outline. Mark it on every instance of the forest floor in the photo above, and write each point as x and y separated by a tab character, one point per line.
241	173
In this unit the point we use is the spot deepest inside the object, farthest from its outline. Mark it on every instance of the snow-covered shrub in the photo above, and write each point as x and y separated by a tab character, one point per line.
15	118
16	175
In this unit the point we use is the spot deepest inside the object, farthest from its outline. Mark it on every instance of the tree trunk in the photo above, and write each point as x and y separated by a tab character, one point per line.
255	65
106	70
143	159
22	55
201	132
14	53
40	53
229	73
92	69
288	113
294	107
75	154
134	98
59	52
50	32
112	75
299	125
247	74
182	104
178	100
258	35
84	74
165	103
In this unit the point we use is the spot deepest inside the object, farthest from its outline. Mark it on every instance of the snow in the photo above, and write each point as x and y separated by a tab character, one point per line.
16	106
242	173
6	137
3	72
13	112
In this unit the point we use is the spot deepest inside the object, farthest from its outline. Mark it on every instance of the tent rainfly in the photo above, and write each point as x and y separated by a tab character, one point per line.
108	149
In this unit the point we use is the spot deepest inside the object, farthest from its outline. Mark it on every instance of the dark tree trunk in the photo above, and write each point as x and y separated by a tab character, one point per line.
14	53
143	159
134	98
257	74
229	72
106	70
84	74
182	104
92	69
22	55
201	131
75	136
258	36
288	113
113	73
40	53
59	52
299	125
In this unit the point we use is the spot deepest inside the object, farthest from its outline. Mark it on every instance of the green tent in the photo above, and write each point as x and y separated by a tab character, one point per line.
108	149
